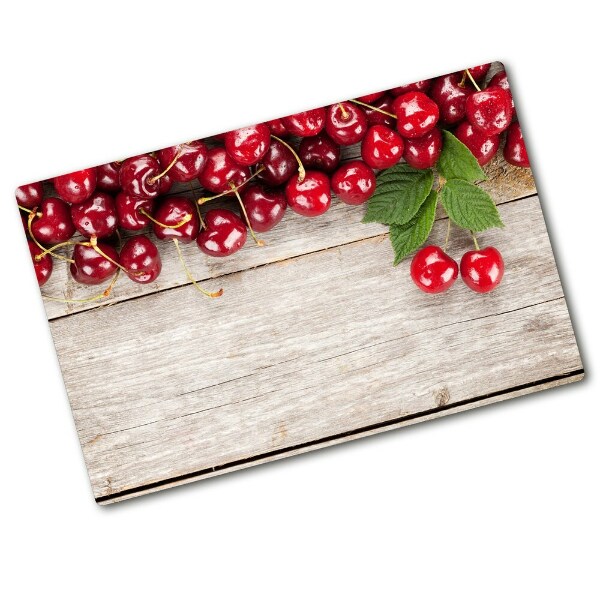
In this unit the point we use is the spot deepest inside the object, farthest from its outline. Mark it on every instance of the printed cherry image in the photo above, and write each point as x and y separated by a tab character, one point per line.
140	259
482	270
490	110
249	144
382	147
354	182
265	207
306	123
515	152
97	216
432	270
30	196
91	267
183	162
76	187
225	233
417	114
423	152
41	264
320	152
345	123
312	196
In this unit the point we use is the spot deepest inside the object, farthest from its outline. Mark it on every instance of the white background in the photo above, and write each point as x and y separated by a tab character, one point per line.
500	502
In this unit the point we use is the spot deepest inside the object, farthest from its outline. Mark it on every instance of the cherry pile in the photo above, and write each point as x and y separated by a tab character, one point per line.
122	211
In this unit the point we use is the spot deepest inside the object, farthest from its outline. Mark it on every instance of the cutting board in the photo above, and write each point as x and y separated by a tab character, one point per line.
317	340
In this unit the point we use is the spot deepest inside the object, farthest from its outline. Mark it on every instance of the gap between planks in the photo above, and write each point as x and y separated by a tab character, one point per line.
359	433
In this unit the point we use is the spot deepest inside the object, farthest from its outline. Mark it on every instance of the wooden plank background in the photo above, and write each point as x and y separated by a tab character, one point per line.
305	349
317	339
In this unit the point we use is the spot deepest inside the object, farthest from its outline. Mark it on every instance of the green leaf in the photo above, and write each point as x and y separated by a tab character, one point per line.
457	161
400	192
469	206
407	238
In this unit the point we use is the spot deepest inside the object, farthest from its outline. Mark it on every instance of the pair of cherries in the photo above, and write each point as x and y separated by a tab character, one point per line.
95	263
433	271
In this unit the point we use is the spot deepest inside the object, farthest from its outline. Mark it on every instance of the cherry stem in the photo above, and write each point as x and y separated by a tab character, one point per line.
105	294
50	251
237	195
32	216
37	214
235	188
344	112
151	180
301	170
181	223
379	110
463	81
93	243
202	223
475	241
189	275
447	235
472	80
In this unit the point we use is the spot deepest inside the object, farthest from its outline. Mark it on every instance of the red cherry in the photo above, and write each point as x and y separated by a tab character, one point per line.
310	198
107	178
451	97
482	270
500	80
43	266
482	146
192	158
374	117
165	184
416	114
140	257
319	152
172	211
354	182
55	224
490	110
478	72
225	233
220	171
306	123
417	86
279	164
370	98
432	270
249	144
90	267
515	152
265	207
346	123
97	216
381	147
277	127
138	176
29	196
76	187
128	211
423	152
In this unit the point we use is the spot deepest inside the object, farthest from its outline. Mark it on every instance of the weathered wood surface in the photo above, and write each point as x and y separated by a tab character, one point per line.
294	236
324	341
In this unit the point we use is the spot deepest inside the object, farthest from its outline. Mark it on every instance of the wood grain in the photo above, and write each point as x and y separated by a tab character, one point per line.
306	349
